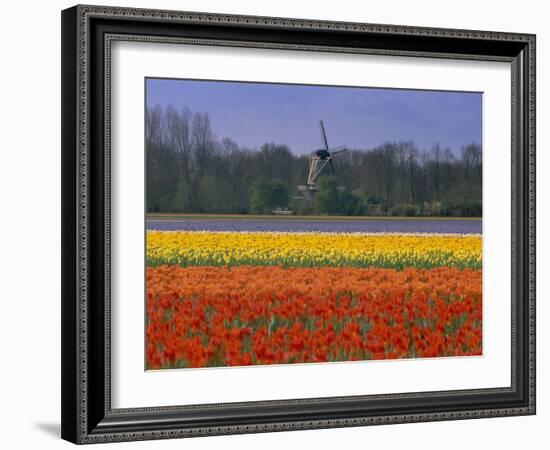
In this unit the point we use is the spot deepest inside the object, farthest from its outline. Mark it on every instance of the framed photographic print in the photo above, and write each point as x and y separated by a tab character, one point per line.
279	224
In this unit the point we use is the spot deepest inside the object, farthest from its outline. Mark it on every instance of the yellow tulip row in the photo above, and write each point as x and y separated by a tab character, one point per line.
192	248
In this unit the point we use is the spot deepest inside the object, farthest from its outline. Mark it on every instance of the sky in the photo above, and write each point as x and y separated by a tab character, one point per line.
358	117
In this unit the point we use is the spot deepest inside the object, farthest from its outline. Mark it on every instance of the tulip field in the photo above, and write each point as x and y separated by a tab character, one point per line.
238	298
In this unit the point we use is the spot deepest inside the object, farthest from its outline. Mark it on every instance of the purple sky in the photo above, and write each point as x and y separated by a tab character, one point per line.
254	113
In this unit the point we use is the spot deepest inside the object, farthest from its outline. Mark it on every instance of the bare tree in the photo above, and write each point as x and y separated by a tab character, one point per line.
436	156
153	126
203	144
412	153
179	133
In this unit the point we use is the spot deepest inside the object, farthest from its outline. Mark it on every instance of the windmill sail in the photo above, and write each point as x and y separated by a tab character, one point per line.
324	135
331	166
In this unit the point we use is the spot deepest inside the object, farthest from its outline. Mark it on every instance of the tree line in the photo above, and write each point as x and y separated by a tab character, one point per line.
189	170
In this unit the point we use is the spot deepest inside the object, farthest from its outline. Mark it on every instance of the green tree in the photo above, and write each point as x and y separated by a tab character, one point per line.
265	196
351	204
181	201
214	195
327	200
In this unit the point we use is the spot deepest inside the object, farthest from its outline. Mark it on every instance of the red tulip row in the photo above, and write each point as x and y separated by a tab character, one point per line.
219	316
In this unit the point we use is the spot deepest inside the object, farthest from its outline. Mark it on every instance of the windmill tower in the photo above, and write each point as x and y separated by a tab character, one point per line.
317	162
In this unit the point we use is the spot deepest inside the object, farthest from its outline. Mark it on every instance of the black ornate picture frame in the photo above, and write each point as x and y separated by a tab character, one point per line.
87	35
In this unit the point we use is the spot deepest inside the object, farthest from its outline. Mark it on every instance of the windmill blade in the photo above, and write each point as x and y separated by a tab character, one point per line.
340	149
331	166
324	135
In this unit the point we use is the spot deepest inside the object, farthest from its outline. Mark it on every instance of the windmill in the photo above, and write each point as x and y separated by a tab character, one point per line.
318	159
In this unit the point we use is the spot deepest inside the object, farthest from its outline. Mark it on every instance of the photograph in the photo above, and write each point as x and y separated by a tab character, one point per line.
298	224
